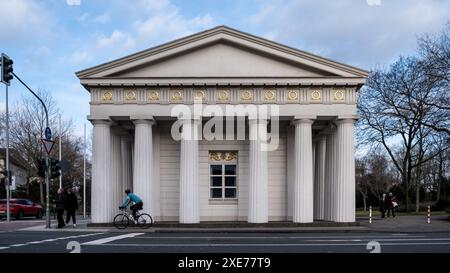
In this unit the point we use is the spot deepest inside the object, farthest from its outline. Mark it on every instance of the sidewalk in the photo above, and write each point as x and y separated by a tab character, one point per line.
400	224
408	224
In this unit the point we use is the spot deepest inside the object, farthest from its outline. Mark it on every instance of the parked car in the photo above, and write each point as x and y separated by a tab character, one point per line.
20	208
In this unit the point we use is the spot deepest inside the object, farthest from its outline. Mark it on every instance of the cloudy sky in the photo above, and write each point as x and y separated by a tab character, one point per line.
49	40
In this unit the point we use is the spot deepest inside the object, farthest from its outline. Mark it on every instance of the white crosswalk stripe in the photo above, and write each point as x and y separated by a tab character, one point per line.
111	239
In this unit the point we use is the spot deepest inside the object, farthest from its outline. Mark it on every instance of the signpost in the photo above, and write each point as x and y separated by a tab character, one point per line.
48	133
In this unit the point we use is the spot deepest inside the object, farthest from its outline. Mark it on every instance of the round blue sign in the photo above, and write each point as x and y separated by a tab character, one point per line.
48	133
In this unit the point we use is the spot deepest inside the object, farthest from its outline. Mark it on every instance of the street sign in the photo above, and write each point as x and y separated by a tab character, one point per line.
48	145
48	133
12	185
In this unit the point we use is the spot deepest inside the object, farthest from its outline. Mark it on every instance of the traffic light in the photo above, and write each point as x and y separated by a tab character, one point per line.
7	69
41	168
55	168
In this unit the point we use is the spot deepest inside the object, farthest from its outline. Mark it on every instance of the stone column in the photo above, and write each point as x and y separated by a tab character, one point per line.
102	201
116	171
303	178
189	187
258	199
143	162
330	175
345	178
319	178
127	162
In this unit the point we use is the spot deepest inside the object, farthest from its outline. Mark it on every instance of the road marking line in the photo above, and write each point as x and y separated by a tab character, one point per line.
4	247
110	239
17	245
265	245
50	240
381	240
260	237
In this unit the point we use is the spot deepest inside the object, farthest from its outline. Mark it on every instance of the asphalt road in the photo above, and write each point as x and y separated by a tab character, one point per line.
137	242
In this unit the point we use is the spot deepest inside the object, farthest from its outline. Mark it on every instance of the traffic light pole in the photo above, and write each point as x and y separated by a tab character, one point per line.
47	173
8	213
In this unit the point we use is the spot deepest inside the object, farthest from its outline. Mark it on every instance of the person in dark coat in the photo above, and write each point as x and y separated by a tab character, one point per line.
382	204
71	207
391	201
60	204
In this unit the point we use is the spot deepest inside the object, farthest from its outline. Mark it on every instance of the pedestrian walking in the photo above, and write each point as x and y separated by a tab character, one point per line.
382	205
391	204
60	204
71	207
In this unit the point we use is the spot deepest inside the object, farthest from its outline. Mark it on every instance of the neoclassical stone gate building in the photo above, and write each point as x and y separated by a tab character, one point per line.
308	175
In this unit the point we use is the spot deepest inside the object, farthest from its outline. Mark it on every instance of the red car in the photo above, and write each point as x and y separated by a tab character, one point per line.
20	208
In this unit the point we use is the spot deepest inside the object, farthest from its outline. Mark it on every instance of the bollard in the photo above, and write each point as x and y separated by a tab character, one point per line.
370	215
429	215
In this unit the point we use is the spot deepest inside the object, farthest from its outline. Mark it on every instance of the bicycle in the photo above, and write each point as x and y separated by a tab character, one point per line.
124	218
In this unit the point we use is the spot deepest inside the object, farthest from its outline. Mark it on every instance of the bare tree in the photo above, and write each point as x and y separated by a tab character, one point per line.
27	124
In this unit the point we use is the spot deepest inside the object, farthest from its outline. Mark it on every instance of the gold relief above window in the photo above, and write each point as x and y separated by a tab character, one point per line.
130	95
223	156
107	96
153	95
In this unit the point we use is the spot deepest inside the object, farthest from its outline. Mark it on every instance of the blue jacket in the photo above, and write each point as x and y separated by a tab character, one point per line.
131	197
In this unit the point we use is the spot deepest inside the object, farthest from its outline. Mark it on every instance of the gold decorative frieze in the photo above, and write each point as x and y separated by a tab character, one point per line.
292	95
153	95
107	96
223	95
223	156
130	95
269	95
246	95
315	95
338	95
176	96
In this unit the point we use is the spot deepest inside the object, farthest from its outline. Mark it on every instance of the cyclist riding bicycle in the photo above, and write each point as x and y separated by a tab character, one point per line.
137	203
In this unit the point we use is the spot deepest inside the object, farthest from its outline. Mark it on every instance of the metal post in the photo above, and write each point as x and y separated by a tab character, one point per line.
84	174
8	217
370	215
60	139
429	215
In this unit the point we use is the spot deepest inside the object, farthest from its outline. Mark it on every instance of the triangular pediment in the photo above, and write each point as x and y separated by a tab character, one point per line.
222	59
221	52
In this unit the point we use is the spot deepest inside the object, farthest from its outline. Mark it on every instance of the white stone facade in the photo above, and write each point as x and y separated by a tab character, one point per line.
308	176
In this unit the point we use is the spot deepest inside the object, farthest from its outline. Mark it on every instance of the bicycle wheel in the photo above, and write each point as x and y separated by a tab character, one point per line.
121	221
145	220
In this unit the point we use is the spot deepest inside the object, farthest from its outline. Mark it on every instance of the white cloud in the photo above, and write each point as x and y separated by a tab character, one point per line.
103	18
23	19
117	40
351	31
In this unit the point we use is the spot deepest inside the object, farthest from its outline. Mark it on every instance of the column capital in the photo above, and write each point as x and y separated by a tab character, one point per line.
103	121
346	120
302	121
144	121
